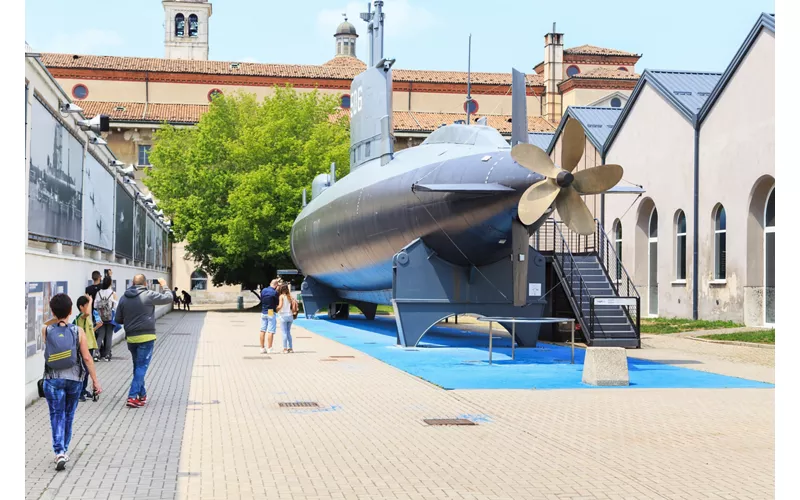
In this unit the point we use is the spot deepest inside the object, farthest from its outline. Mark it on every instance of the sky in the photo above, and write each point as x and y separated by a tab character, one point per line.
699	35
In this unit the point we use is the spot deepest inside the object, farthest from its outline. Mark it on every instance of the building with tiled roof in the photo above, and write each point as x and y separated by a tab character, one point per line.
140	94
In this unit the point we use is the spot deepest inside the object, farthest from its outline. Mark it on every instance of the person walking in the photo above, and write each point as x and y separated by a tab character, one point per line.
176	301
269	303
187	300
287	310
136	313
84	320
66	357
105	304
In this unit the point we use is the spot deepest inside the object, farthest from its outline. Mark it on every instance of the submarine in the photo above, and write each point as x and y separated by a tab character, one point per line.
442	228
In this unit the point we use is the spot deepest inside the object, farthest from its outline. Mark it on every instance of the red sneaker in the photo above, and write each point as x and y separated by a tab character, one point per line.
133	403
142	400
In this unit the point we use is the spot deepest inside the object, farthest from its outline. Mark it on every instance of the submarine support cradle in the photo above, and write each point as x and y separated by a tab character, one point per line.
426	289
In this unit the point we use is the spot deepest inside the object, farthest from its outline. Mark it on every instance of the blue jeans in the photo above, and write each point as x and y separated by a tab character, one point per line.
62	399
141	355
269	324
286	326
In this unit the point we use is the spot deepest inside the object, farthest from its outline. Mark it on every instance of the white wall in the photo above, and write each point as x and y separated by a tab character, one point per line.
737	155
655	147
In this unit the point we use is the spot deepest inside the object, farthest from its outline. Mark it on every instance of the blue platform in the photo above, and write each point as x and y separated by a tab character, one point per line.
459	359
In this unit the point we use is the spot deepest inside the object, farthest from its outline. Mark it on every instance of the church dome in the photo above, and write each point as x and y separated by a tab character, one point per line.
346	29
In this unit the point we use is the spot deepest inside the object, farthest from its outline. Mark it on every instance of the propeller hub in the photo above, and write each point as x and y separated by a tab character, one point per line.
564	178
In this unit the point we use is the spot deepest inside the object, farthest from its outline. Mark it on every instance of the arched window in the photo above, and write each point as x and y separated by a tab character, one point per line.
199	280
622	68
180	24
345	101
193	25
652	262
616	102
572	71
769	259
720	235
680	245
618	248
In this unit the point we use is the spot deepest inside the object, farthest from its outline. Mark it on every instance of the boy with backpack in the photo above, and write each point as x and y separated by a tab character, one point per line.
85	320
105	304
66	357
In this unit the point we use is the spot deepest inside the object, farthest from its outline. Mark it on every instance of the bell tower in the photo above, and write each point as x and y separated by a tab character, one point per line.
186	29
345	39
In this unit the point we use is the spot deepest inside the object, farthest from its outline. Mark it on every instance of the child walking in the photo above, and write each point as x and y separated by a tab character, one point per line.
287	309
66	358
84	321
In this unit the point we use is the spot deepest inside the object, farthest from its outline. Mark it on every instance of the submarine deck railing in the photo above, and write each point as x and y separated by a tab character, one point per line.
554	238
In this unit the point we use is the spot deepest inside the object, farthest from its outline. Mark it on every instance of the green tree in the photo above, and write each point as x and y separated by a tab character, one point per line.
233	184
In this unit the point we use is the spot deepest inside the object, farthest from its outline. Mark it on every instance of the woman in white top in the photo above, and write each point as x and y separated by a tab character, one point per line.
286	309
105	303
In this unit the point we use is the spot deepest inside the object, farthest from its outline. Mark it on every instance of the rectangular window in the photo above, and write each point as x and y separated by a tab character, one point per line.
681	251
367	155
144	154
719	243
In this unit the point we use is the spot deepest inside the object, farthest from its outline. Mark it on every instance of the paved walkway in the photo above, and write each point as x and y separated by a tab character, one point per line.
213	429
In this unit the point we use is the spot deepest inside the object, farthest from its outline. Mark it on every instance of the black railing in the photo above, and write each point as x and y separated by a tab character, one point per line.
556	239
576	289
618	276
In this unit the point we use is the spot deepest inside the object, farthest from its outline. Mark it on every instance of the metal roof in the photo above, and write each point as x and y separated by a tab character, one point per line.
686	89
597	121
765	21
540	139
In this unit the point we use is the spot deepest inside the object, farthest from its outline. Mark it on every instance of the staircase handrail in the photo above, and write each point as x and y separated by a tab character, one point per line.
588	328
606	244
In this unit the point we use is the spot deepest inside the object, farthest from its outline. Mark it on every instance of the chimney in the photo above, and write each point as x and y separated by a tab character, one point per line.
553	73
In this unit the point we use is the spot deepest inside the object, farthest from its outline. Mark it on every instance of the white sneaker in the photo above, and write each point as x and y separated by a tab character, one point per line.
270	350
263	351
61	462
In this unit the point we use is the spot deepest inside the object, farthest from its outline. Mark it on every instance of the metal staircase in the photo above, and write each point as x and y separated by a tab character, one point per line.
600	293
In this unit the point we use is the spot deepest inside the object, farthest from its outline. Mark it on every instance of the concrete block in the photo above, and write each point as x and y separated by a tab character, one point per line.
606	366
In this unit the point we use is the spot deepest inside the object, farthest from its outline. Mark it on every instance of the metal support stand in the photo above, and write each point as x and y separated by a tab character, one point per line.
514	321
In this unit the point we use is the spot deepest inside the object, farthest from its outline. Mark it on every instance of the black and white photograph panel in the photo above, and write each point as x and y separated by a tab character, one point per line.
139	234
151	234
98	188
56	162
123	224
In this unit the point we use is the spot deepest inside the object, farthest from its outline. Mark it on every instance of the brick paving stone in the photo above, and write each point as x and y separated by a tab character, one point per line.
213	429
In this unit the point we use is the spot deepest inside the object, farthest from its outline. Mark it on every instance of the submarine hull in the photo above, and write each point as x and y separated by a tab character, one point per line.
346	238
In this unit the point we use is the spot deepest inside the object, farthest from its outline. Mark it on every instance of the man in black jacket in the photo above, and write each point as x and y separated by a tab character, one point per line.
136	313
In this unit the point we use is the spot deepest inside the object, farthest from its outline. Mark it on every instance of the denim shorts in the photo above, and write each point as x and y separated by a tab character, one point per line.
268	324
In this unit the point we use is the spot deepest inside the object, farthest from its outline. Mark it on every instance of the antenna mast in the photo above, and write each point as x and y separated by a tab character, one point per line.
469	78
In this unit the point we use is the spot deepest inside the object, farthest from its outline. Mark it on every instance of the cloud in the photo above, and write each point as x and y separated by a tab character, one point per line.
404	19
90	41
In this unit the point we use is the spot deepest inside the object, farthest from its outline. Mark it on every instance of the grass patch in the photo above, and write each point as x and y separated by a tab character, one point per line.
756	337
677	325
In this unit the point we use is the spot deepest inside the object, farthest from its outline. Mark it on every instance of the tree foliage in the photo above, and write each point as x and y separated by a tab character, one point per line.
233	184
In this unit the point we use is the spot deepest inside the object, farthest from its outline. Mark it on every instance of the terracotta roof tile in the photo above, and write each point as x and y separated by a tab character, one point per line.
610	73
592	50
404	121
346	62
326	71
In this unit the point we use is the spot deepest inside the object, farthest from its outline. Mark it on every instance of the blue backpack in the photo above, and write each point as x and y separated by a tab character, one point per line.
61	347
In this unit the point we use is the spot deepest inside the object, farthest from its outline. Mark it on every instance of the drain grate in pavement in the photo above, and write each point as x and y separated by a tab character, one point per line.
180	333
256	357
299	404
188	474
341	357
448	421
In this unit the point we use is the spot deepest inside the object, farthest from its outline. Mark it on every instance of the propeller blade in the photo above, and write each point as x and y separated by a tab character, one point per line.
534	159
574	212
536	200
573	142
597	179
